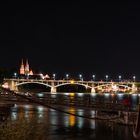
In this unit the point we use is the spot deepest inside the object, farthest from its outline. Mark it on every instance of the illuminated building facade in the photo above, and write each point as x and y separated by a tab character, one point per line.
25	69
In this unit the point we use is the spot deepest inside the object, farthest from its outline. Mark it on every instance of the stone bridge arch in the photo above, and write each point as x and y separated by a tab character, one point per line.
32	86
86	86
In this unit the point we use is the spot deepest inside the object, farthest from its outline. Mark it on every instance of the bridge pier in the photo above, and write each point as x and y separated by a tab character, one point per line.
12	85
92	90
53	89
134	88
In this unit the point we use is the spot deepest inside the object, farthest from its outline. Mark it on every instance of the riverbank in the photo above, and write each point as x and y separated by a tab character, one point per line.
5	110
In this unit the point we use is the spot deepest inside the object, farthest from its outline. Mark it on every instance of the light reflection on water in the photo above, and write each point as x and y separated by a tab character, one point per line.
78	127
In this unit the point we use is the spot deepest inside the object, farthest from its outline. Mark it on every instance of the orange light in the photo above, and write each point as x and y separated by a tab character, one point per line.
72	81
72	94
72	119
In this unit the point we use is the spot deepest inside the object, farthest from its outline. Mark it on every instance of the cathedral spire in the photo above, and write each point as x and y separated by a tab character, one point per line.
22	70
27	67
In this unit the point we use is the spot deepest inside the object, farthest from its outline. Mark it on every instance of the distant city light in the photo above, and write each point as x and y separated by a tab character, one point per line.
72	81
81	77
41	75
106	77
134	78
54	75
15	75
67	76
120	77
93	76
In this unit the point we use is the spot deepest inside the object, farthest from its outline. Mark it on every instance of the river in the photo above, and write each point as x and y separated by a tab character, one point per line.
40	123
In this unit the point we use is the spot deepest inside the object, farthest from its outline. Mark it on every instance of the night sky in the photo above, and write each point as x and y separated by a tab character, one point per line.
67	37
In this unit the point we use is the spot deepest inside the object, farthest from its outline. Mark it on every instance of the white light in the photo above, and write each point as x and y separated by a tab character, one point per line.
120	94
40	94
134	94
54	76
93	94
41	75
14	116
5	85
120	76
15	75
81	77
93	76
27	107
53	95
67	76
106	76
80	94
107	94
40	109
134	78
66	94
46	76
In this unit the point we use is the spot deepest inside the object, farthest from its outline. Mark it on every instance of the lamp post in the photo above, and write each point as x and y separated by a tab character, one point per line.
106	77
93	77
81	77
134	78
67	76
15	75
120	77
54	75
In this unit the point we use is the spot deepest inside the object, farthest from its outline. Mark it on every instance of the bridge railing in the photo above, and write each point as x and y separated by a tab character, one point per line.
69	81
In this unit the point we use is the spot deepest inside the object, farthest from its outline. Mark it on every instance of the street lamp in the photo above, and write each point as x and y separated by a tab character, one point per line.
120	77
80	77
54	75
15	75
134	78
106	77
93	76
67	76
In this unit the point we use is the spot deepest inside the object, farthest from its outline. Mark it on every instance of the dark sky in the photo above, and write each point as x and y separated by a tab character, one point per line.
66	37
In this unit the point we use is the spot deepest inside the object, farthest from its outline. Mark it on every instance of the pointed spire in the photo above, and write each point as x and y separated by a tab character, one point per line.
31	72
26	62
22	70
26	67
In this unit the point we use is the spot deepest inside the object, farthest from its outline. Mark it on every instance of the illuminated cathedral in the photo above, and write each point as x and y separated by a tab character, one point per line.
24	69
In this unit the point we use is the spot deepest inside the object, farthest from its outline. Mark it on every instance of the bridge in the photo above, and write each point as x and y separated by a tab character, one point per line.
94	86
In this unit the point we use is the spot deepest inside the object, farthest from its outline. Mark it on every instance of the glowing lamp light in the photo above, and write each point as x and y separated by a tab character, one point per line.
72	94
72	81
5	85
41	75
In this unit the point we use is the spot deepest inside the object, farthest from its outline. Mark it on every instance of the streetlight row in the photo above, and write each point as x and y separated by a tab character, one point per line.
81	77
93	77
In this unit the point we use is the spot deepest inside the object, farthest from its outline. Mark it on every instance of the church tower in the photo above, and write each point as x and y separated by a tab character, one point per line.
22	71
27	67
31	72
